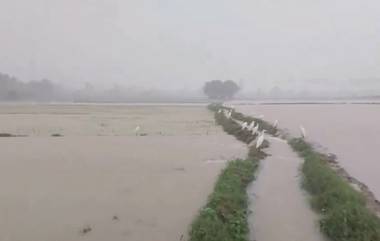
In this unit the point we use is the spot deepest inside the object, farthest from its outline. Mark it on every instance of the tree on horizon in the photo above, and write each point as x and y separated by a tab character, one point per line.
221	90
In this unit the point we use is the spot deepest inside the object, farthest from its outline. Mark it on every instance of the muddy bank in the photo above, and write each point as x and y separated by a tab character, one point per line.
372	202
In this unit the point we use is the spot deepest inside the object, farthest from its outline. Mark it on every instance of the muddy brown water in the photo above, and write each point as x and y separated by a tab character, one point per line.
280	209
99	181
350	131
105	120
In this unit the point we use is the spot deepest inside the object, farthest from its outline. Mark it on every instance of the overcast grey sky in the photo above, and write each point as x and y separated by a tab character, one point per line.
182	43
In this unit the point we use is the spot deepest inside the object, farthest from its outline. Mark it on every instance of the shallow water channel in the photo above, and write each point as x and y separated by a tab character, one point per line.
280	209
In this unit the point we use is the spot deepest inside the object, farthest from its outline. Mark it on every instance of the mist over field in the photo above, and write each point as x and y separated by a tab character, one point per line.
122	50
44	90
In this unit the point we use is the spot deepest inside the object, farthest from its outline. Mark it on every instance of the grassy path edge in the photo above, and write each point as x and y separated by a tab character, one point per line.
224	218
345	215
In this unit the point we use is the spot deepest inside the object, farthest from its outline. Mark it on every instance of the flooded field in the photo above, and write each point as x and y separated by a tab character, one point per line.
101	182
351	131
105	120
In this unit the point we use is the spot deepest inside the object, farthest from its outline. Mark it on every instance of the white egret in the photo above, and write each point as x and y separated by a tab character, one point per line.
251	126
303	131
137	130
255	129
261	139
244	125
229	115
275	125
219	111
225	113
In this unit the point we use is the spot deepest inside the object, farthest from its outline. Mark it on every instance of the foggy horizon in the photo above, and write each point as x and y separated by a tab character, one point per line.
293	45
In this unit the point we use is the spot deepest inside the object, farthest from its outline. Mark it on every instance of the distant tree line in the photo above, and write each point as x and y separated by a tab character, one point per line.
12	89
220	90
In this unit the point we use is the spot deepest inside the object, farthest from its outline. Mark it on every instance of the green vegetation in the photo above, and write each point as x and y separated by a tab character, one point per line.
224	218
233	128
345	216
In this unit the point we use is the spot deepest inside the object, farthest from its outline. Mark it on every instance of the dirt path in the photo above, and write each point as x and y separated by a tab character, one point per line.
280	208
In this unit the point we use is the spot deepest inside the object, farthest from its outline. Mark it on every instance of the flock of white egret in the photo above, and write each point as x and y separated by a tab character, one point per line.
254	129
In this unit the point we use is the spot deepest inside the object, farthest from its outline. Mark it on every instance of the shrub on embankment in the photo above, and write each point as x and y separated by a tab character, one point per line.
345	216
233	128
224	218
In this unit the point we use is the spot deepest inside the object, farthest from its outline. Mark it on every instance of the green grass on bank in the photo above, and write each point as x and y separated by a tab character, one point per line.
233	128
345	216
224	218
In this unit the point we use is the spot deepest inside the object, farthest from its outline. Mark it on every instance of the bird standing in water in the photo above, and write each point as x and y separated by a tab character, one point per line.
137	130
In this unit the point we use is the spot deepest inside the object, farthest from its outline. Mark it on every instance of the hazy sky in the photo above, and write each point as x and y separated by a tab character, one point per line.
182	43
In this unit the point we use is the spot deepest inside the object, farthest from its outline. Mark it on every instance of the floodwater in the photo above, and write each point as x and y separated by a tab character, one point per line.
100	181
105	120
280	209
351	131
